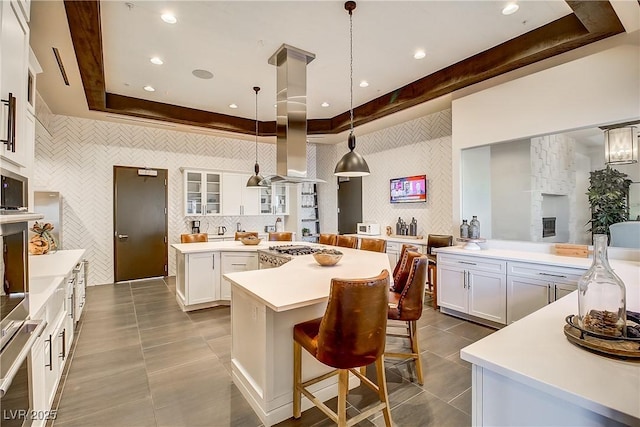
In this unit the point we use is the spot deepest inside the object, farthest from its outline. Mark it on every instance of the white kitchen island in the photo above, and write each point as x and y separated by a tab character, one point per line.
528	373
265	305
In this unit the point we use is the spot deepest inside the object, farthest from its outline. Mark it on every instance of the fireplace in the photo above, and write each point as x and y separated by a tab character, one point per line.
549	226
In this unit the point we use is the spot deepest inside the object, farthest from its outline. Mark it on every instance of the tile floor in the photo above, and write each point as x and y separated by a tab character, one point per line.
140	361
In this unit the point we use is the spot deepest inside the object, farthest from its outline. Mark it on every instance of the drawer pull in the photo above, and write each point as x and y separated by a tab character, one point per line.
467	262
553	275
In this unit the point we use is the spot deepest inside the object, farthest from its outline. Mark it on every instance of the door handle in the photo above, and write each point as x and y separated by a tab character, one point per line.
123	236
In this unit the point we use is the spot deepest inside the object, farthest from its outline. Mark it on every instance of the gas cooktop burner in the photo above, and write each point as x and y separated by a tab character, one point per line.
293	249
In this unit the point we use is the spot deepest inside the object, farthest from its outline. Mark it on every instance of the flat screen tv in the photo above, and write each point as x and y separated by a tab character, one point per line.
409	189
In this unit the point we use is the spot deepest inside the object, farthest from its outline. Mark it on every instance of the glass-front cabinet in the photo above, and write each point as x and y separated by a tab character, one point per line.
274	200
202	192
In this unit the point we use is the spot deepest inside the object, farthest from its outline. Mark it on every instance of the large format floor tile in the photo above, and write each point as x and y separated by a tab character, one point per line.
140	361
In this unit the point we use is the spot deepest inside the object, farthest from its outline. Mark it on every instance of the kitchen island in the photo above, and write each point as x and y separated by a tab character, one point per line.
265	305
529	374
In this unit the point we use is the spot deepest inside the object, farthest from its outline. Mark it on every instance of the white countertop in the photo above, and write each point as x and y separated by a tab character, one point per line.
535	352
302	282
19	217
228	246
421	241
232	236
46	272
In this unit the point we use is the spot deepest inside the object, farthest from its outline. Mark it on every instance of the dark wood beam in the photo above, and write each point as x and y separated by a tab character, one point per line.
590	22
86	34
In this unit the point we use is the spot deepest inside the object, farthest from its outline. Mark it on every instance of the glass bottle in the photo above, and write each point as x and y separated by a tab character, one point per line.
474	228
464	229
602	295
399	226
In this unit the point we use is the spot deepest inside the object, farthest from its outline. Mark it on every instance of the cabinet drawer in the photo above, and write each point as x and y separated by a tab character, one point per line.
473	263
545	272
394	246
239	262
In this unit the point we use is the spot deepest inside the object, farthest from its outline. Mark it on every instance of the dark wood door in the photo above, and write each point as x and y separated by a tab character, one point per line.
139	222
349	204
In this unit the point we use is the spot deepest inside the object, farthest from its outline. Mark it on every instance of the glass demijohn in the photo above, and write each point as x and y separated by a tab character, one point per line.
601	295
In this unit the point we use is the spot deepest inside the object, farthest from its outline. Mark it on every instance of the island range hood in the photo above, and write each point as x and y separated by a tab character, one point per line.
291	116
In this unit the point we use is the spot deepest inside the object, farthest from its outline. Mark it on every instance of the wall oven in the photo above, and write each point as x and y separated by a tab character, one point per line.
17	334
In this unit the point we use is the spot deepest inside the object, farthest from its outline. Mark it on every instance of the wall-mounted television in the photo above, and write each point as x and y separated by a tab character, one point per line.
409	189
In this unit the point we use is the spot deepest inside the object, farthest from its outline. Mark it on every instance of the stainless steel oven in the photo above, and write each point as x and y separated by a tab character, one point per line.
17	334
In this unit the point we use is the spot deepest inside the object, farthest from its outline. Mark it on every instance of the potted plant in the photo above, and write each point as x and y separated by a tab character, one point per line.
305	231
608	196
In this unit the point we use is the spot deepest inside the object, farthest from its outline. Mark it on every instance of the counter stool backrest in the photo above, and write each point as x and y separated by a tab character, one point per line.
327	239
373	245
192	238
402	275
347	241
405	248
437	241
280	236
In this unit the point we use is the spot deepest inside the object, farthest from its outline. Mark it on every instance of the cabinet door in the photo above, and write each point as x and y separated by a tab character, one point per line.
452	288
212	196
487	295
14	45
266	204
193	186
232	263
200	278
524	296
232	194
281	199
562	290
251	197
36	366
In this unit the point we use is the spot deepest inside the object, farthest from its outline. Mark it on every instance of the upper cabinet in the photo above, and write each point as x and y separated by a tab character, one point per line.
14	48
237	199
274	200
202	192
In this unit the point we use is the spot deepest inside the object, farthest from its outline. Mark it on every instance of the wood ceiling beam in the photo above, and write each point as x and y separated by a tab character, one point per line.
590	22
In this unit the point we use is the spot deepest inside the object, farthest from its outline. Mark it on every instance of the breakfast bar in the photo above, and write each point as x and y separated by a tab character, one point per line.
265	305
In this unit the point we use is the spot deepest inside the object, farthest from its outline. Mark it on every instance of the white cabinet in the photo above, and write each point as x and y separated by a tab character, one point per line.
80	290
233	262
474	286
274	200
202	192
532	286
237	198
14	45
393	251
203	277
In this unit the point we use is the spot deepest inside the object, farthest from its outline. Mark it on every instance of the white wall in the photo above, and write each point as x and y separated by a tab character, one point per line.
597	89
476	188
77	159
419	146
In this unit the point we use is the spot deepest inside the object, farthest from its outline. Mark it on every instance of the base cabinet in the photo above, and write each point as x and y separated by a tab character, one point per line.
202	274
232	263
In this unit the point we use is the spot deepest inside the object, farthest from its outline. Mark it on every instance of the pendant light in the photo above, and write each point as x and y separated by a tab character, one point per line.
254	181
351	164
621	145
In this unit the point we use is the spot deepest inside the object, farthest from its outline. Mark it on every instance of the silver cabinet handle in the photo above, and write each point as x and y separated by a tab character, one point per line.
464	279
548	293
243	264
123	236
467	262
63	335
50	365
213	259
10	142
552	275
468	279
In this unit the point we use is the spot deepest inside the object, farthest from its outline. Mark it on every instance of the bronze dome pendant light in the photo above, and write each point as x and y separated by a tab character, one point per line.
351	164
255	180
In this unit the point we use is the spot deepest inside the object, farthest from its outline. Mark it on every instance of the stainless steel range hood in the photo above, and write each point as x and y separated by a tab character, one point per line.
291	119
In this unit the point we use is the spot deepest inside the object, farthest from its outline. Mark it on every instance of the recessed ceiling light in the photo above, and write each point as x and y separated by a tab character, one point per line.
325	104
202	74
149	88
275	105
364	83
233	106
169	18
156	60
419	54
510	8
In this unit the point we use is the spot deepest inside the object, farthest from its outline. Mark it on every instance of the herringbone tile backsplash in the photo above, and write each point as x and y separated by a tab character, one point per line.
77	157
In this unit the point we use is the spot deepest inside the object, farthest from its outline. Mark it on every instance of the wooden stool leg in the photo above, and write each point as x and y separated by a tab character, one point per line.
415	349
434	285
382	390
297	378
363	370
343	389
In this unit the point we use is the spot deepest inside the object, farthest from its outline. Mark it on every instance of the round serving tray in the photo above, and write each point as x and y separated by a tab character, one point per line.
621	347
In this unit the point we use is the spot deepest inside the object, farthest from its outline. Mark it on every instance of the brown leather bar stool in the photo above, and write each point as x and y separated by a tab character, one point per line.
373	245
193	238
405	303
347	241
327	239
405	248
435	241
350	335
280	236
243	234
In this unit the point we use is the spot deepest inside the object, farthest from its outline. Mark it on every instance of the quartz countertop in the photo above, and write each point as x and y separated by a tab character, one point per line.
229	246
535	352
302	282
415	241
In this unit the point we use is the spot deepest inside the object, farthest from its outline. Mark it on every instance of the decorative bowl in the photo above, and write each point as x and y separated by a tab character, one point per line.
327	257
250	240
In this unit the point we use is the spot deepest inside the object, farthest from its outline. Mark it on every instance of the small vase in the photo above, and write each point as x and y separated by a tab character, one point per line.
602	295
474	228
464	229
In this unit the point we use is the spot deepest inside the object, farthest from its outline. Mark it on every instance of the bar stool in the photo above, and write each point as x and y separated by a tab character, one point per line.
347	241
280	236
242	234
405	248
406	302
350	335
193	238
435	241
373	245
327	239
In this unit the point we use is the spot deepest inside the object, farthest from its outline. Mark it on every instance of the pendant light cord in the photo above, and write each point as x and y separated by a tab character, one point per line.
256	89
351	66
